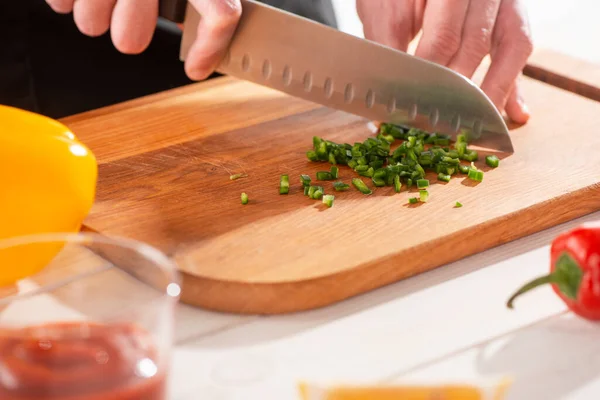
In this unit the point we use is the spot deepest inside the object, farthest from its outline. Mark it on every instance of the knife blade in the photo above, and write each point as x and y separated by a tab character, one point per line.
306	59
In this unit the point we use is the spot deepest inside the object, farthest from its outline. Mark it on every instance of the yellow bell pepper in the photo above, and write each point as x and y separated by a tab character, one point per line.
48	185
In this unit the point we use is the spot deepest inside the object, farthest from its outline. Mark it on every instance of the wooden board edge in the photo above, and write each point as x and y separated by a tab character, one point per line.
565	72
290	297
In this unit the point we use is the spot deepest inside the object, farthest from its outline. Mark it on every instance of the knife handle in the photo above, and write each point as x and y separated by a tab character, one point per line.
173	10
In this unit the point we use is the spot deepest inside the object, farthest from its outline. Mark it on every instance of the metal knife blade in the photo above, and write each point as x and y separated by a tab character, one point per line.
318	63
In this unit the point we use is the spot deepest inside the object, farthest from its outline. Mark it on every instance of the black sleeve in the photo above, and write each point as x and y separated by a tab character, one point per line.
53	69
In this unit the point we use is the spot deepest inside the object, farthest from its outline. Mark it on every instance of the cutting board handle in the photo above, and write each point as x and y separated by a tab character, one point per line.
173	10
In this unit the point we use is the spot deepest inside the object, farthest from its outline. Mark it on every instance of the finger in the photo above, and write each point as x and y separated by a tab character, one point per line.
92	17
516	109
442	30
218	22
511	48
391	23
132	25
476	36
60	6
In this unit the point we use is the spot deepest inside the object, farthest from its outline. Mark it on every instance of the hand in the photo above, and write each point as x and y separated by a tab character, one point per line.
132	24
459	34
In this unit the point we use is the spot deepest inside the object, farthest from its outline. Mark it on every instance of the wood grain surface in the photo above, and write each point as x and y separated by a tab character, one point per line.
165	163
565	72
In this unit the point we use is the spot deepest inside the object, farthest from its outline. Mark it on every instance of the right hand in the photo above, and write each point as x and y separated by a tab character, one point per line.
460	34
132	24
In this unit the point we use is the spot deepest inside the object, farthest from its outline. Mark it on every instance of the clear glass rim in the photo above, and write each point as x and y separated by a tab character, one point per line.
163	263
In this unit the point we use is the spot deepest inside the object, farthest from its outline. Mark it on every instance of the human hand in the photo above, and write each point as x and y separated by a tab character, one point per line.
132	24
459	34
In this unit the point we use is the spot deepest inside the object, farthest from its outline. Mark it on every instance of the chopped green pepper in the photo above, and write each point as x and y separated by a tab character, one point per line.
335	172
378	182
324	176
492	161
340	186
305	180
361	186
284	184
475	175
422	183
244	198
397	184
328	200
443	177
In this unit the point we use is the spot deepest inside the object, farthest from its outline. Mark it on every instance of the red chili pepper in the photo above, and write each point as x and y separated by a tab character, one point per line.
574	271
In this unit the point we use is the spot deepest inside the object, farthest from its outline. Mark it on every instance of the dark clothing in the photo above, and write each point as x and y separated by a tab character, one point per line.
48	66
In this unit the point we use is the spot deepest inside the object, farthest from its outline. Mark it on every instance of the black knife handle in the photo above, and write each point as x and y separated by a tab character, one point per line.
173	10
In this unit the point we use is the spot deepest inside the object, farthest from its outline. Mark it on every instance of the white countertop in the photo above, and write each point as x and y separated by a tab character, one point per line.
445	325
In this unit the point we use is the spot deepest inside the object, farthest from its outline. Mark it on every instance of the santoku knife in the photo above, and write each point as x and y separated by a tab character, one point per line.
318	63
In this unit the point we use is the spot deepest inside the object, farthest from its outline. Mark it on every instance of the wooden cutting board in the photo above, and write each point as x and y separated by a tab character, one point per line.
165	162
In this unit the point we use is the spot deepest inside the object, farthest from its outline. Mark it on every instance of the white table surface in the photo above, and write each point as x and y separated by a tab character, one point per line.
446	325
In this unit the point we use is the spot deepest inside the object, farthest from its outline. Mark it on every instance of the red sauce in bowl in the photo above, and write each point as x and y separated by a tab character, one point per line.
79	361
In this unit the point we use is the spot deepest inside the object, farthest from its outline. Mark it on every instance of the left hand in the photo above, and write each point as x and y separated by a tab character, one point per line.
132	24
459	34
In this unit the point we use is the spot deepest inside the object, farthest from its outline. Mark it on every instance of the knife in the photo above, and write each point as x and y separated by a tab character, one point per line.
318	63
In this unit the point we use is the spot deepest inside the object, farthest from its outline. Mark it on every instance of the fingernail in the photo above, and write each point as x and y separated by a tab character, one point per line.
196	74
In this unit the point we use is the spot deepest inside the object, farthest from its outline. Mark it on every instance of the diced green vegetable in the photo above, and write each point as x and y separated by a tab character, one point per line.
461	148
324	176
368	173
450	160
418	153
332	159
443	177
361	186
422	183
397	184
458	204
244	197
380	174
471	155
340	186
378	182
306	190
413	200
328	200
284	184
317	194
335	171
492	161
476	175
305	180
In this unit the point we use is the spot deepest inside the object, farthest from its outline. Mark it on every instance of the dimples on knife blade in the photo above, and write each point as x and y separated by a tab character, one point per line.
320	64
